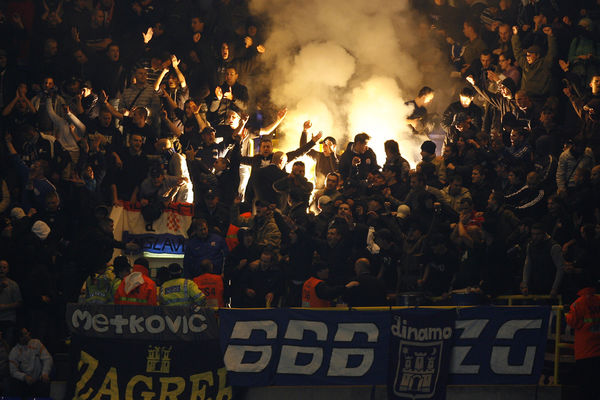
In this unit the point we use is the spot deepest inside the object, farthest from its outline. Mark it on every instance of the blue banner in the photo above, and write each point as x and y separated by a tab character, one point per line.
157	243
305	347
491	345
420	353
499	345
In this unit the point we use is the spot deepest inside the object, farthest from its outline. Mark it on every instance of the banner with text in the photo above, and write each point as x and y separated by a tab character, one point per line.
491	345
499	345
165	235
304	347
135	352
420	345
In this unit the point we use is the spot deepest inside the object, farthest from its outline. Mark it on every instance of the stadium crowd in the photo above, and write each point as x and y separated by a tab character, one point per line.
156	102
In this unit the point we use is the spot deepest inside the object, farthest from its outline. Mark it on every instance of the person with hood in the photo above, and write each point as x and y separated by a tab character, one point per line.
136	288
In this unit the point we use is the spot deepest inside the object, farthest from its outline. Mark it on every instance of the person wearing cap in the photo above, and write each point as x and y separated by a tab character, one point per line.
463	105
136	287
209	150
202	245
263	225
326	161
537	70
179	291
503	101
428	155
213	211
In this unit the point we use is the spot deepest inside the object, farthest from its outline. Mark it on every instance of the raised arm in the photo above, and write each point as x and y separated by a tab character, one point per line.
175	63
273	125
517	49
160	78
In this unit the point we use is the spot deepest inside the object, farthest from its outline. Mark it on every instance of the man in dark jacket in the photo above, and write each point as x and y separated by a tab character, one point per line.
358	159
369	292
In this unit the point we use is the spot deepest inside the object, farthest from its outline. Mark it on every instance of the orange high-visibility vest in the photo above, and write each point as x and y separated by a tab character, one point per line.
309	294
212	287
231	236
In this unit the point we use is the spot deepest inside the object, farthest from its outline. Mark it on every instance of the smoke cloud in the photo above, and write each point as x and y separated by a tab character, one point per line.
348	66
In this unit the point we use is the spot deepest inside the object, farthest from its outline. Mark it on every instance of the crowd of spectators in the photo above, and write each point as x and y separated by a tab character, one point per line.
154	102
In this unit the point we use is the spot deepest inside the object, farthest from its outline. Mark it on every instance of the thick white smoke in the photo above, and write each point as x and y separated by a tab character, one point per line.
348	66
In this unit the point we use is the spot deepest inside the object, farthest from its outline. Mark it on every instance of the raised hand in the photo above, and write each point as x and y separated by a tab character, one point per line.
148	35
316	137
282	113
174	61
219	93
228	94
471	80
307	125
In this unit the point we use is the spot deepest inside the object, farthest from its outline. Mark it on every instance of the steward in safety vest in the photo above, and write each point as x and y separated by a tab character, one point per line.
316	292
137	288
100	286
179	291
210	284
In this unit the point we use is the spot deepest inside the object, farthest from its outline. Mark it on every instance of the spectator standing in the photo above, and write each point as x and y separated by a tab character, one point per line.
179	291
10	301
584	317
30	366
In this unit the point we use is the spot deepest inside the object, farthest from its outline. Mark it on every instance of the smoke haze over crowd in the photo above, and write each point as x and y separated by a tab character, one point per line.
348	66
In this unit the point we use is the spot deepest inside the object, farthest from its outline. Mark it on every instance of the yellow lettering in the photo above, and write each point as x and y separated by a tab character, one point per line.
165	393
110	386
199	393
225	393
134	381
92	363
